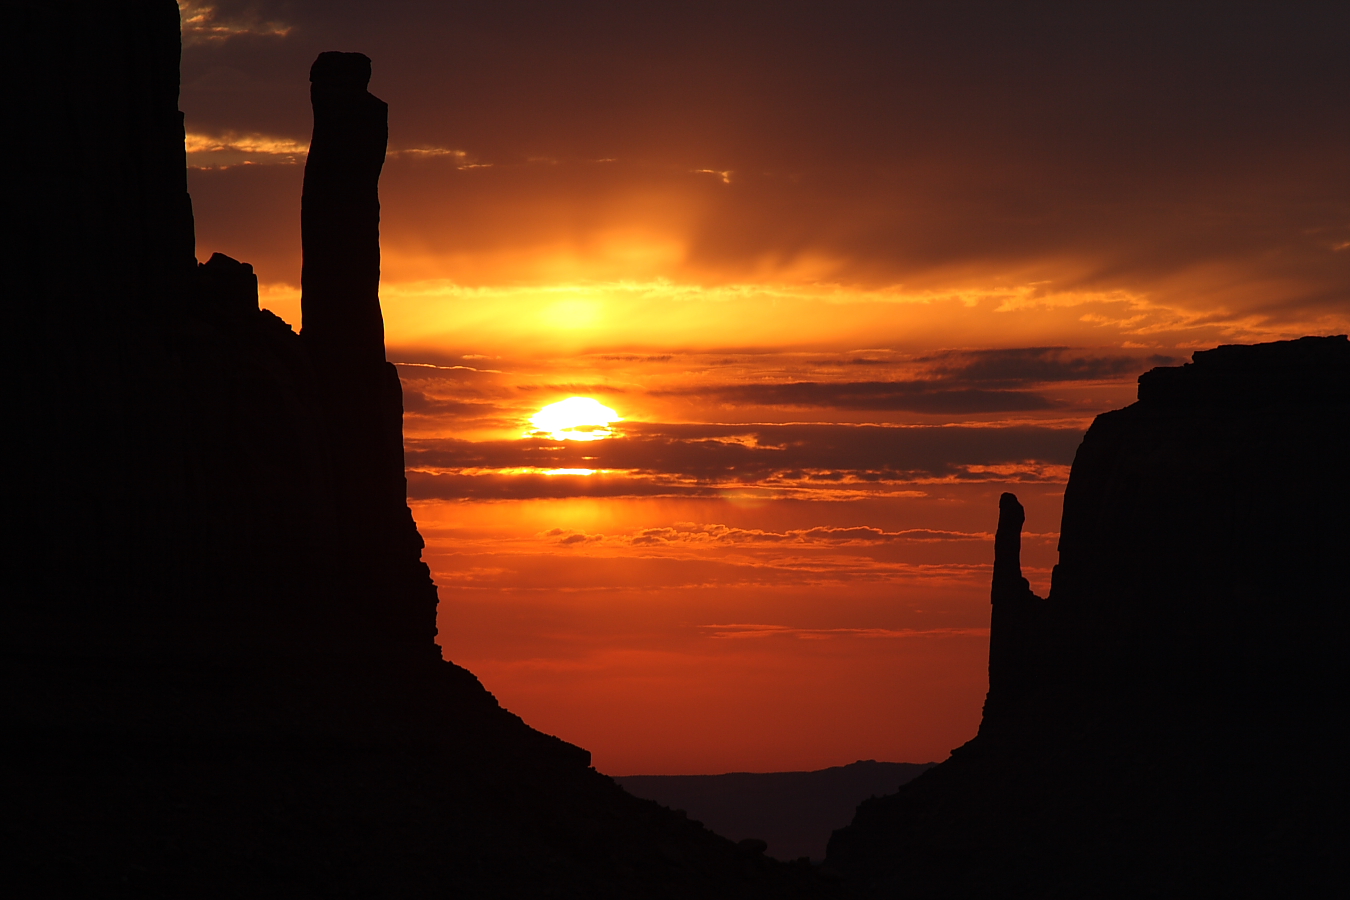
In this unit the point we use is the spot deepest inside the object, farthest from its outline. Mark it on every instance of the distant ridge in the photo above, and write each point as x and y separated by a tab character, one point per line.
794	812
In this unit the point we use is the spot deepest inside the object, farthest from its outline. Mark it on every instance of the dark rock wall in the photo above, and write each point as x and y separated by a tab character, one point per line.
1164	723
97	265
1203	529
173	437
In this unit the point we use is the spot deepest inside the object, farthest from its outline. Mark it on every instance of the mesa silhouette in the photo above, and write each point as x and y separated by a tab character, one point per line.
1166	723
218	636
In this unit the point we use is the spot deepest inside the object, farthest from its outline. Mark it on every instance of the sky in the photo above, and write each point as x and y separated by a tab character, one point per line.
841	272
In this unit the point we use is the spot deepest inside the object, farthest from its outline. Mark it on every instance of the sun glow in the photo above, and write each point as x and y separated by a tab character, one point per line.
575	419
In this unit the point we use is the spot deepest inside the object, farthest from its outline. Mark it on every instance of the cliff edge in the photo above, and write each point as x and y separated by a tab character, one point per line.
1166	722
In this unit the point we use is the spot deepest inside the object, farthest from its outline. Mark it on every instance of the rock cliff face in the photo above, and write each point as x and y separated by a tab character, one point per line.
219	668
1164	723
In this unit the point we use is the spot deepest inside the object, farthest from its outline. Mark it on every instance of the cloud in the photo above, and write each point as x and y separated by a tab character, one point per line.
1035	365
949	382
825	536
755	631
688	533
416	403
538	485
232	149
569	538
460	159
826	461
213	22
954	382
1187	173
909	396
468	434
572	387
735	451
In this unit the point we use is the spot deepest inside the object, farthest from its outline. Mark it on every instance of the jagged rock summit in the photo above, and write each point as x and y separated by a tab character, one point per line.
1166	723
218	660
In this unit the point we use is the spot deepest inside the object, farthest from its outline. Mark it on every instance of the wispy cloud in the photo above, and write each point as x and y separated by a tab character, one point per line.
821	535
723	175
232	148
205	22
824	461
909	396
459	158
954	382
717	534
1015	367
222	151
757	631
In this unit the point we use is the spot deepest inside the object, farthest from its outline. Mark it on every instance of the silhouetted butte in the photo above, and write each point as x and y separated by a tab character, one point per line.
1166	723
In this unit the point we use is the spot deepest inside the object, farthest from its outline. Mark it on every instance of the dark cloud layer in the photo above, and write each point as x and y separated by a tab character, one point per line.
954	382
1157	86
821	536
1018	367
417	403
702	459
908	396
1193	153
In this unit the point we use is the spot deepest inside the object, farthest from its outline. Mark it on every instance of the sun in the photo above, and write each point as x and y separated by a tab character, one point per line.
575	419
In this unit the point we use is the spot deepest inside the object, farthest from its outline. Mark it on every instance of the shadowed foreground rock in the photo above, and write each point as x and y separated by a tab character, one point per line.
1168	722
217	647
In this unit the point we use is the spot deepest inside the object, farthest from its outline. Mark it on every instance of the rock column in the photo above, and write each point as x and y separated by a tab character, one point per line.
1015	634
340	218
386	601
1008	580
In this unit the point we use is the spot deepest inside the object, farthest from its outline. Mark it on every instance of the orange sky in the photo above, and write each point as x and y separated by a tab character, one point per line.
846	272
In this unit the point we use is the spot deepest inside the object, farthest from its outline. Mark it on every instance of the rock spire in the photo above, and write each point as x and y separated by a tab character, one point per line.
340	218
389	600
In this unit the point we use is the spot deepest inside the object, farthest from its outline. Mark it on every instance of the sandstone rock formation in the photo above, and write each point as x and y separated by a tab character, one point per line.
1165	723
219	669
390	600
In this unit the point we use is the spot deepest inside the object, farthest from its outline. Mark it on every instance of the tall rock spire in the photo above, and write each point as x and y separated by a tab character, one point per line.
1016	627
386	601
1008	580
340	216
